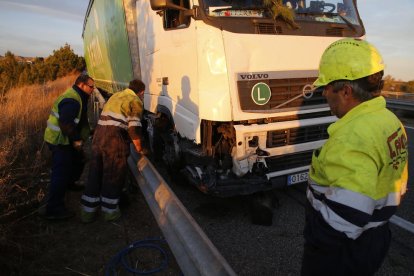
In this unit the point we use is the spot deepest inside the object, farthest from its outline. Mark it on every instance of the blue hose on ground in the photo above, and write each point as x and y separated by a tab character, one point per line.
120	257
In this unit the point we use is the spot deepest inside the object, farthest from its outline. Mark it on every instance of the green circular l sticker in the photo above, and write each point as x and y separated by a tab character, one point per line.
261	93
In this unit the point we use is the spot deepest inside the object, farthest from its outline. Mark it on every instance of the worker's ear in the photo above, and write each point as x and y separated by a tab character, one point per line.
347	91
140	94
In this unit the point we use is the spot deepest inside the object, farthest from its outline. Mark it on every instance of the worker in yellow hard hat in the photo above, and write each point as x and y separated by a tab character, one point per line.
358	176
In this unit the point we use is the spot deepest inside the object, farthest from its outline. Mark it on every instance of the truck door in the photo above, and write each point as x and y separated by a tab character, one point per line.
179	60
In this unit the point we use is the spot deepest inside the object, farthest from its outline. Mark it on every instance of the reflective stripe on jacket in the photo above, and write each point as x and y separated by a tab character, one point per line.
53	133
358	176
123	109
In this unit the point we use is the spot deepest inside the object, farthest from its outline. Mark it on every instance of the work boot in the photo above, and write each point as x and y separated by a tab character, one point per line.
66	214
113	216
87	217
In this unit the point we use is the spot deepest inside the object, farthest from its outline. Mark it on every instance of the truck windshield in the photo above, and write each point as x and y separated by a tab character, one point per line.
337	11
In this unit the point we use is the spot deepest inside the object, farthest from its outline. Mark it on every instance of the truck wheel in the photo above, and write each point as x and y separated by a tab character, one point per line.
164	145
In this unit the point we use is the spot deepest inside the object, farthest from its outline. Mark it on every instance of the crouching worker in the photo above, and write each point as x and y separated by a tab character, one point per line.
118	125
67	129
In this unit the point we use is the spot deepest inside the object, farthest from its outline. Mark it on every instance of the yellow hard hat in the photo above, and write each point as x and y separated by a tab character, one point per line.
348	59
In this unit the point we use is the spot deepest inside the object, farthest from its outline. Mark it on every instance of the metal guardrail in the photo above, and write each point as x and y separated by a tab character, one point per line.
398	95
409	226
399	100
194	252
400	104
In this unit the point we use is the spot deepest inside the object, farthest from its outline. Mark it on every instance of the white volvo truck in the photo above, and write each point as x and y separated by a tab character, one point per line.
229	100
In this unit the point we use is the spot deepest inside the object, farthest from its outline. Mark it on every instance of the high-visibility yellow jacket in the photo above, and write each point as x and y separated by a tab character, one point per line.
358	176
53	133
124	110
120	116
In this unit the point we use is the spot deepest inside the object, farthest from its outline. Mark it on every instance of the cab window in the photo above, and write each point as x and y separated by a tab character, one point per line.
175	19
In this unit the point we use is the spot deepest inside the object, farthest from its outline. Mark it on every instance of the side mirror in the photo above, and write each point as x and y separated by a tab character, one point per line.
157	5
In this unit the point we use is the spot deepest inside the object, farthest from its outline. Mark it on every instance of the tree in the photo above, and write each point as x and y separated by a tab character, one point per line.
10	71
408	87
63	62
389	83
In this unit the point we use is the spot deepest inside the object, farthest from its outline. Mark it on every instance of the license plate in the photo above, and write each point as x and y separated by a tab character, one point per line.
297	178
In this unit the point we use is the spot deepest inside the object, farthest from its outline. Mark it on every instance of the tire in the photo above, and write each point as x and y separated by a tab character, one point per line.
164	145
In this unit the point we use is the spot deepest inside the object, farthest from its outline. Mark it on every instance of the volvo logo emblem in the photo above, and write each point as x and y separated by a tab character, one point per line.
307	91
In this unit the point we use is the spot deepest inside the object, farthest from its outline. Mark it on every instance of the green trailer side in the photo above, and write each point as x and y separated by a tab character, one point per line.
106	45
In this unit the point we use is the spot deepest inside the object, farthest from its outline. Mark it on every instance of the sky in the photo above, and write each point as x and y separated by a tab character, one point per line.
37	27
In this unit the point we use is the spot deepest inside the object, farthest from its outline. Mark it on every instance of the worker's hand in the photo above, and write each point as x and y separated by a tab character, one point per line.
143	151
77	145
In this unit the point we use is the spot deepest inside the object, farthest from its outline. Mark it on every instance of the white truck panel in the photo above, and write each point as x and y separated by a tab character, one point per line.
212	70
250	53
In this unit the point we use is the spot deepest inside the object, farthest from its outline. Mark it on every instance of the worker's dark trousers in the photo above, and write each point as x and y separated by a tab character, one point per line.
329	252
107	168
67	167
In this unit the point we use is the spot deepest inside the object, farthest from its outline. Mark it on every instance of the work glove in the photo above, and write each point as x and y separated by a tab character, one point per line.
80	155
144	151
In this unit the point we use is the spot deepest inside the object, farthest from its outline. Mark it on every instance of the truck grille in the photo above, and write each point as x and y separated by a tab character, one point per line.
293	136
285	162
282	90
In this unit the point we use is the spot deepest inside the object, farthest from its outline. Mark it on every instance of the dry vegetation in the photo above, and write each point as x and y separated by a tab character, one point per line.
23	160
23	114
